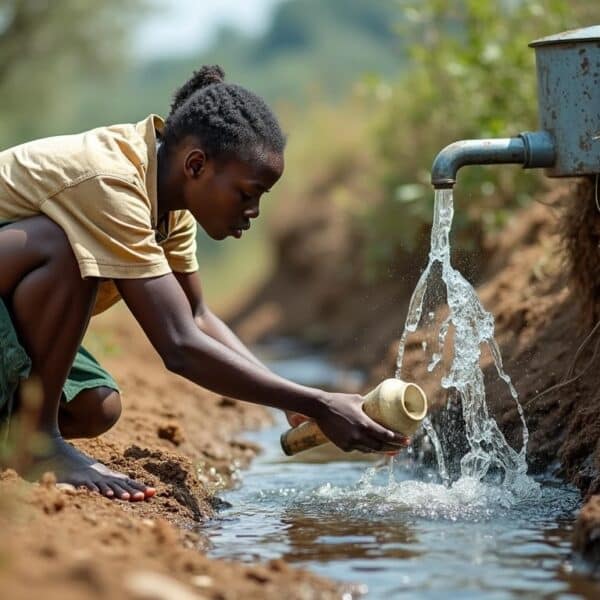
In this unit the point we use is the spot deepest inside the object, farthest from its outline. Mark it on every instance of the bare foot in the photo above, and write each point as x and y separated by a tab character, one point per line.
72	467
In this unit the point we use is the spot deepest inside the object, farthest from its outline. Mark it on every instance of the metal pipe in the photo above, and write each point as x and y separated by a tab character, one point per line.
530	149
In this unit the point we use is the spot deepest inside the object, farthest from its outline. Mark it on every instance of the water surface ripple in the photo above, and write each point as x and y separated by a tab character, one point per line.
401	538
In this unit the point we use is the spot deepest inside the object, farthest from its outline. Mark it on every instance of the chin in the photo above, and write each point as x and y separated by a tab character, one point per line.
216	235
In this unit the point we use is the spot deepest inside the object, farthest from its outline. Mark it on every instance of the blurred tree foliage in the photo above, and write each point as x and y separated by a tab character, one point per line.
313	50
471	75
47	49
66	66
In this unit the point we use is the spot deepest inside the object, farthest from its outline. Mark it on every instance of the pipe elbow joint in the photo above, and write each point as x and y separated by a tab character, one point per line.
530	149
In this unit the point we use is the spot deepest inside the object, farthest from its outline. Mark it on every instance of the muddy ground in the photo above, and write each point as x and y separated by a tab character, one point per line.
173	435
539	277
186	442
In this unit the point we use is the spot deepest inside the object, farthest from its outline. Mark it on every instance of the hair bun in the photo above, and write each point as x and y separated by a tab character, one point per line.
203	77
207	75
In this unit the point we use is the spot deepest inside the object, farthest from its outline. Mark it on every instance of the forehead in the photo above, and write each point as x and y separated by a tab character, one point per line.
267	168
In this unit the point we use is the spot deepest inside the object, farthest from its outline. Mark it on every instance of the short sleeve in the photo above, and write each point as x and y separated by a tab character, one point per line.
108	221
180	245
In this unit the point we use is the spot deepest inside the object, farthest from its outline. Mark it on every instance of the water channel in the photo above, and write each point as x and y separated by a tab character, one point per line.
489	530
401	536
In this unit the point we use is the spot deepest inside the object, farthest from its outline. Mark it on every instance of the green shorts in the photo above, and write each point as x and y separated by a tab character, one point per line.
15	365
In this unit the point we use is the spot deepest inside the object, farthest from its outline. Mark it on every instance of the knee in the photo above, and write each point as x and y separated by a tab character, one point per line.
91	413
39	249
110	409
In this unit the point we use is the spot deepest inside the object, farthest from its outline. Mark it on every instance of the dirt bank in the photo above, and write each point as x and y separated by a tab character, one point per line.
544	319
174	436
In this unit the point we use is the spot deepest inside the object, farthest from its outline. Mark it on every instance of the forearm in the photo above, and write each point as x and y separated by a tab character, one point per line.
209	363
164	312
211	325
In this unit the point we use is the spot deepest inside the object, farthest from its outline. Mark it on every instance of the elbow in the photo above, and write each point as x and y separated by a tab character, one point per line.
175	358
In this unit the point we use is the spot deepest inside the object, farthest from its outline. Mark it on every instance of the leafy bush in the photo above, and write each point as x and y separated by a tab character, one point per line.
471	75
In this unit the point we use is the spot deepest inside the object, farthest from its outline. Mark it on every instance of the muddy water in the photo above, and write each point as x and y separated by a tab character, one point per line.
399	534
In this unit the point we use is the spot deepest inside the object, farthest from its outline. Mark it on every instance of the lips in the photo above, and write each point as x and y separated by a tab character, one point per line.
237	231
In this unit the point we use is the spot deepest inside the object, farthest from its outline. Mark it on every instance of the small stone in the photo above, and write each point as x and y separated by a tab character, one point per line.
48	479
202	581
67	488
147	585
90	518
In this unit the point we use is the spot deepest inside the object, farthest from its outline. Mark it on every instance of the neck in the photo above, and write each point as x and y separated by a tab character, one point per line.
165	184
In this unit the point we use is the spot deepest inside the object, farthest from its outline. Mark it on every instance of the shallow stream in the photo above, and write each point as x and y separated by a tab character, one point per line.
409	537
486	530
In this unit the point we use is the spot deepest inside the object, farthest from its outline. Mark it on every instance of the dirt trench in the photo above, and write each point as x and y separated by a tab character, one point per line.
69	545
539	277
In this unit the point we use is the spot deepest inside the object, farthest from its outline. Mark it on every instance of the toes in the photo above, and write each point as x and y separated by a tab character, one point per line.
136	495
135	486
120	492
105	490
149	492
140	487
90	485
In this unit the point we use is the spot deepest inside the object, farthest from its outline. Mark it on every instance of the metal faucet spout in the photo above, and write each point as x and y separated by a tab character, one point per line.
530	149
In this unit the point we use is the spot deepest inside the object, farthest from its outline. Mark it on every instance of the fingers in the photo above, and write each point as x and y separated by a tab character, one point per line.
369	443
385	436
295	419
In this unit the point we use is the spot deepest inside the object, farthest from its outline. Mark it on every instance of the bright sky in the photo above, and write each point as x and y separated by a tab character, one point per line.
181	26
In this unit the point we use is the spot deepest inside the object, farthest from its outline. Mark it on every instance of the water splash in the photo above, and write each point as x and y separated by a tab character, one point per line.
468	499
472	326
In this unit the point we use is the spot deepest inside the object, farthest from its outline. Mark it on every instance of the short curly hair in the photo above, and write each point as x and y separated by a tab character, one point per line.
228	119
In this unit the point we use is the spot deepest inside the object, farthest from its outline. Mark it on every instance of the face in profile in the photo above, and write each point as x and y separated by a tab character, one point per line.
224	195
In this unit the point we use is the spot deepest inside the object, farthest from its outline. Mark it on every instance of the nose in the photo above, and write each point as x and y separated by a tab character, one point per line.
252	211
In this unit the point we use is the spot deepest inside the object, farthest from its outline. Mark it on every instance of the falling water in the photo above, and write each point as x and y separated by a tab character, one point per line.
472	326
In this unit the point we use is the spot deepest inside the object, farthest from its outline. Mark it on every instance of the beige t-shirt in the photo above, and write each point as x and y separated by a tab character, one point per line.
100	187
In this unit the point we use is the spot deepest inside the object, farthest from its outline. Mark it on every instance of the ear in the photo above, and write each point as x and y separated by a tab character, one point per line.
195	162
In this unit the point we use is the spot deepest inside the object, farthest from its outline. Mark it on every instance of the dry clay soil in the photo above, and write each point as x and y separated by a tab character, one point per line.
61	544
184	441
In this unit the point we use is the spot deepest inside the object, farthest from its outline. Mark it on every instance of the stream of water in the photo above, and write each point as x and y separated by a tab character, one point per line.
343	517
470	326
401	530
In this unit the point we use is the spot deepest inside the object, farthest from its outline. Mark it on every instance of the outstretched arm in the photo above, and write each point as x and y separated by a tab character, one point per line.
161	307
210	324
207	321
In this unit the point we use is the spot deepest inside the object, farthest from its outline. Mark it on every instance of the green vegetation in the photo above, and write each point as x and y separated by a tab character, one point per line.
368	91
470	74
47	49
313	50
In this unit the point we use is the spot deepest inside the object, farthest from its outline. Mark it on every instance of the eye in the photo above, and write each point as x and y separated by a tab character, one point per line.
245	197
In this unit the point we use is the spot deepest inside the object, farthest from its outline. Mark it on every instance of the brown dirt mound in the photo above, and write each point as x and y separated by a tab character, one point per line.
61	544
